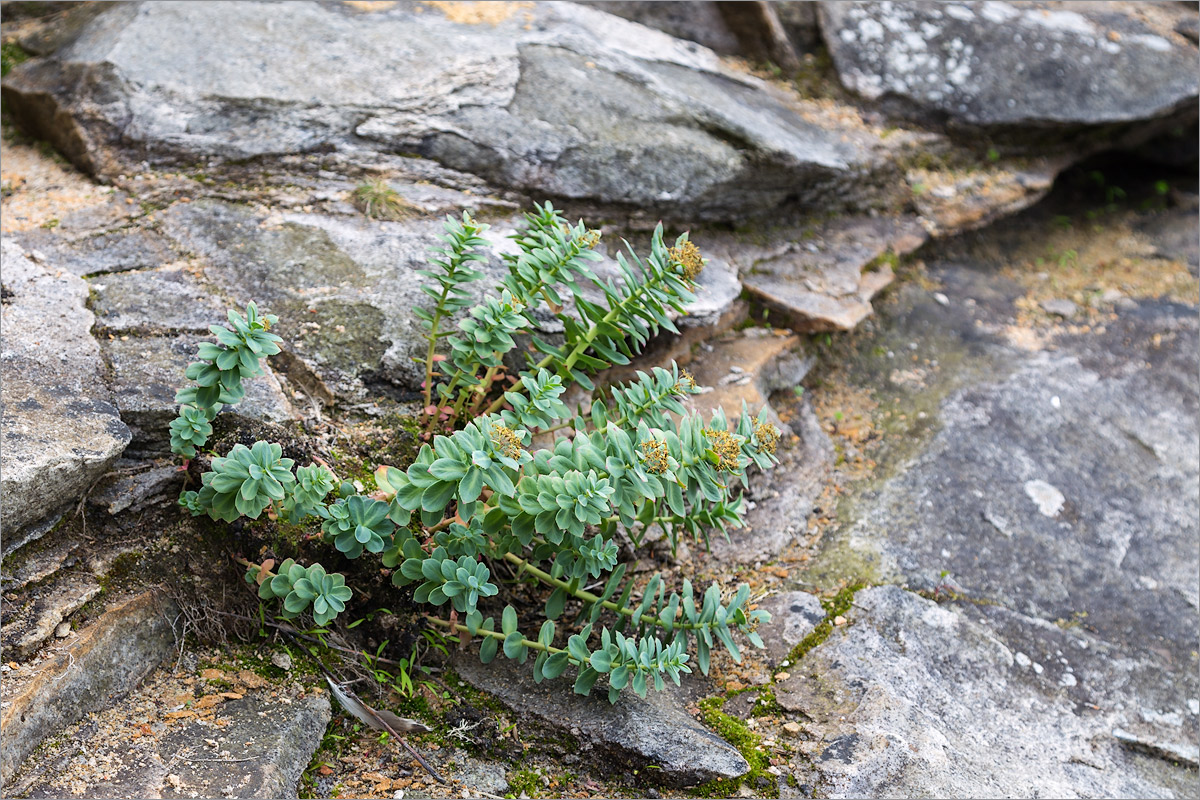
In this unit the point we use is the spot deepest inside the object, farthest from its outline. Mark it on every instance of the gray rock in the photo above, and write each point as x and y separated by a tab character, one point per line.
1060	307
29	623
794	615
820	281
699	22
147	371
135	491
1055	489
1009	64
109	657
107	251
556	100
252	746
60	429
167	300
631	733
914	699
481	776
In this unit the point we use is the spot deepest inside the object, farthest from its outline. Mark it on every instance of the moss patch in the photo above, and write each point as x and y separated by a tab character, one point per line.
11	54
834	606
747	742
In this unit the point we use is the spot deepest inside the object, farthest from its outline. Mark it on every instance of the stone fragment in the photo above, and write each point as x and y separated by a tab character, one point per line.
1008	64
60	428
1060	307
794	615
745	367
825	279
167	300
35	620
110	656
952	201
631	733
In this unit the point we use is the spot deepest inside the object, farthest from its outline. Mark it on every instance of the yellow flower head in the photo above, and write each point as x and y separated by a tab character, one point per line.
506	441
767	437
687	257
654	454
727	448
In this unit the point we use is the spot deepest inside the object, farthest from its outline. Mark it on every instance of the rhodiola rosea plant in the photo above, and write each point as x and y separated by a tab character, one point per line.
480	492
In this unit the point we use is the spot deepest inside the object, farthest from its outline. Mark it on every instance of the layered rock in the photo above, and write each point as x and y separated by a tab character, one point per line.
61	429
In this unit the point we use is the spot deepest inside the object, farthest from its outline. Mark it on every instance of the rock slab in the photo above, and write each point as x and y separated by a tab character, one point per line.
552	99
61	429
1010	64
633	732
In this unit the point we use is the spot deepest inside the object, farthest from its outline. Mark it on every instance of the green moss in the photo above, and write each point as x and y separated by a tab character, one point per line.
766	704
524	781
11	54
747	742
834	606
889	258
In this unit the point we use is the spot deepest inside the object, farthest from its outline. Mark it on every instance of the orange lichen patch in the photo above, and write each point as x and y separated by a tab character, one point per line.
38	191
474	13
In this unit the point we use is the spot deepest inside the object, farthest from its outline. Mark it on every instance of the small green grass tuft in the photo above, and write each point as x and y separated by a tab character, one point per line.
377	200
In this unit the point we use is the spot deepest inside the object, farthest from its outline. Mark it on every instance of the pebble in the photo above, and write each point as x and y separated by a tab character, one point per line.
281	660
1049	500
1022	660
839	620
1055	402
1194	705
1037	668
63	630
1060	306
1067	680
941	299
793	728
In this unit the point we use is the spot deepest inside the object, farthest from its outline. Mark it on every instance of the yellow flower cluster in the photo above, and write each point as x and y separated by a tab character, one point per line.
654	453
686	382
687	257
727	448
767	436
506	441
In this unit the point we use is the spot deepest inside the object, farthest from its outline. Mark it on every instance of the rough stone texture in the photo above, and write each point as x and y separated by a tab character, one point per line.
793	616
818	280
1007	64
921	701
167	300
953	202
745	367
147	371
699	22
1075	453
110	657
632	732
530	103
60	428
253	743
95	253
28	625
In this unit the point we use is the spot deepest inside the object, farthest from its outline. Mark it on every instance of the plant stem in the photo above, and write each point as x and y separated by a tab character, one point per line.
459	627
588	597
433	335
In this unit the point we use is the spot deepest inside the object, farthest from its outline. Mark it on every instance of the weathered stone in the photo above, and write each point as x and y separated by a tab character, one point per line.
956	201
60	428
1060	307
94	254
899	695
33	621
699	22
633	732
167	300
793	616
1010	64
481	776
253	742
500	101
744	367
147	371
134	491
109	657
825	279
